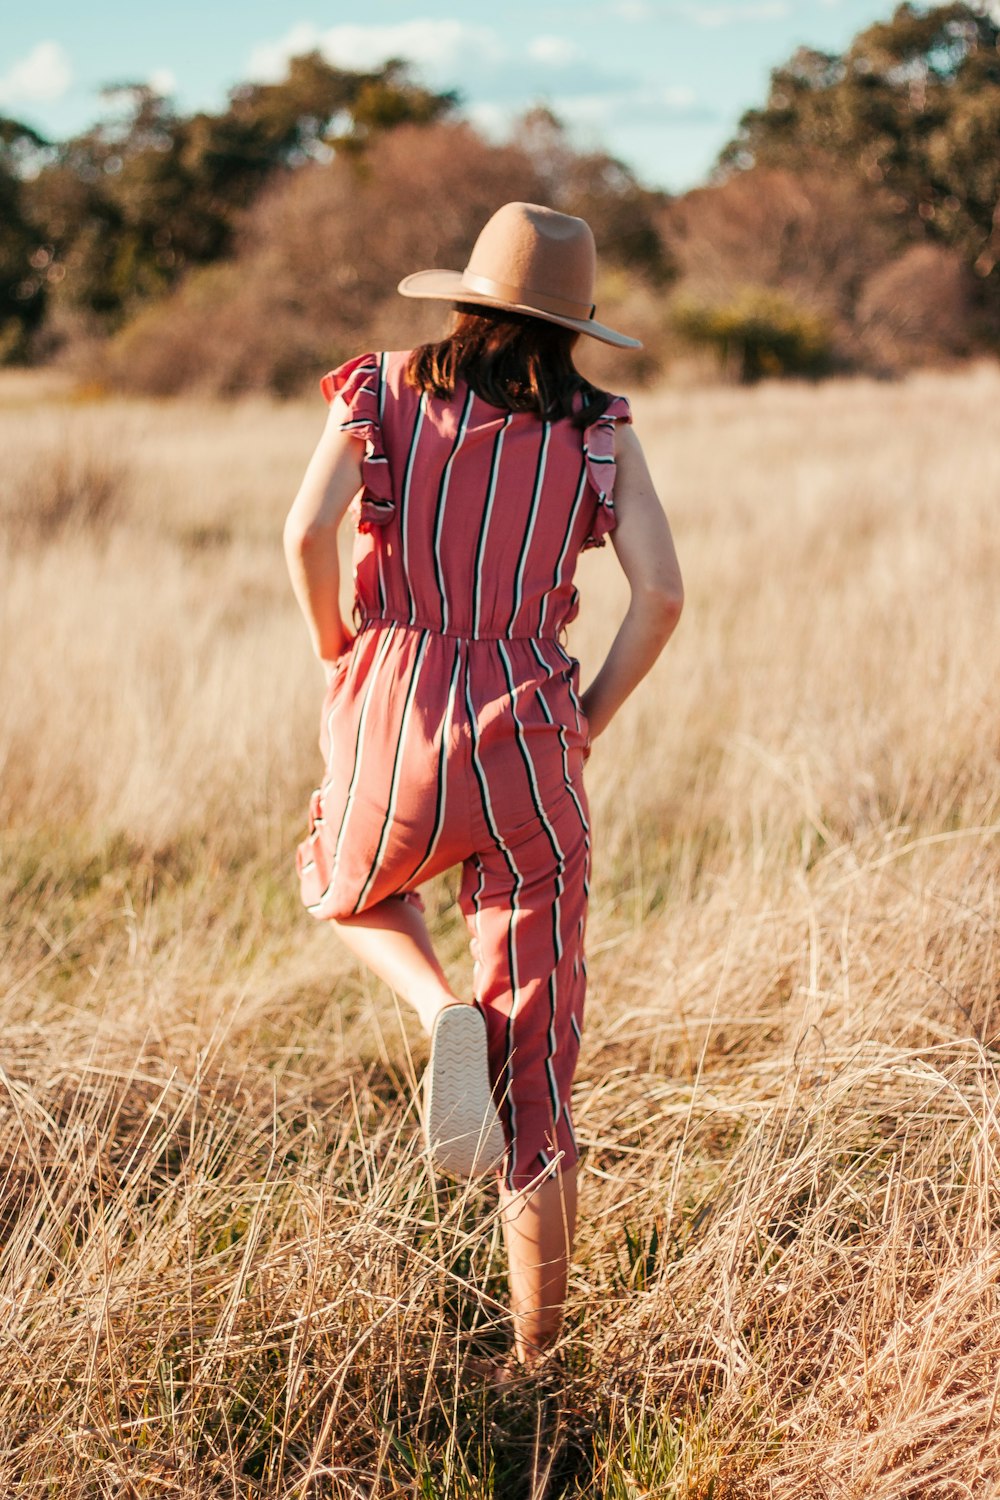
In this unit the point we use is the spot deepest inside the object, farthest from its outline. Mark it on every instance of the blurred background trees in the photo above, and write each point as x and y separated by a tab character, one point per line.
899	140
852	222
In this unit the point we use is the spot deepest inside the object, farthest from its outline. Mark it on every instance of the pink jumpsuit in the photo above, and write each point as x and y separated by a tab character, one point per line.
452	729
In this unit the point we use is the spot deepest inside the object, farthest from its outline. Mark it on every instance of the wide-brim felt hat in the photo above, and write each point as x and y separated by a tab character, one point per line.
527	259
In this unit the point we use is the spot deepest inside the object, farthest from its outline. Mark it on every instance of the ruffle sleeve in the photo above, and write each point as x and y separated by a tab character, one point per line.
359	385
599	452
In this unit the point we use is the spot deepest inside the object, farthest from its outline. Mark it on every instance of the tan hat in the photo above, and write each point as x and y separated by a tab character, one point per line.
527	259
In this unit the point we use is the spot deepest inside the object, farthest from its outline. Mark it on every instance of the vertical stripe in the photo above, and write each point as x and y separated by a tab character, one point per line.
390	811
442	766
569	1123
491	489
518	882
442	501
560	859
565	754
529	529
404	501
574	512
477	897
377	540
358	747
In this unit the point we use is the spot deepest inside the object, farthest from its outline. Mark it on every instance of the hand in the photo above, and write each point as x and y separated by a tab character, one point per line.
330	664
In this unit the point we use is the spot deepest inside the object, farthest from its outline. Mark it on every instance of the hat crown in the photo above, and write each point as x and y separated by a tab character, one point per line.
537	251
527	259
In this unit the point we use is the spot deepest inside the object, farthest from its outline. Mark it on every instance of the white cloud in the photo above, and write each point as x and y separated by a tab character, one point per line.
44	74
678	96
716	16
647	104
438	47
632	10
554	50
164	81
268	60
483	63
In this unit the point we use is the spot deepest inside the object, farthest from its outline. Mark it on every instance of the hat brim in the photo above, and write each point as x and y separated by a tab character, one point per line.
448	286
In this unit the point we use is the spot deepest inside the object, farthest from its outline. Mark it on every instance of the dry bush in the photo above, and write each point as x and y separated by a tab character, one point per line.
836	249
816	236
224	1270
72	489
319	259
918	309
321	255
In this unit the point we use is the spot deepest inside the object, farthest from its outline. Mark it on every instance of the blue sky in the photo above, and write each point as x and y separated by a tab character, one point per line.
659	83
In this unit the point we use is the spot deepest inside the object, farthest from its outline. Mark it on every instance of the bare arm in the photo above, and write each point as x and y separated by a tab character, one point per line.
330	483
645	550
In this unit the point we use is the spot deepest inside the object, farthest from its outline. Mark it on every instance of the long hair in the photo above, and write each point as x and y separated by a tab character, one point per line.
509	360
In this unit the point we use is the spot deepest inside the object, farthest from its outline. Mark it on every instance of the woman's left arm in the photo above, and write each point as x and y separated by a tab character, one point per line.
329	485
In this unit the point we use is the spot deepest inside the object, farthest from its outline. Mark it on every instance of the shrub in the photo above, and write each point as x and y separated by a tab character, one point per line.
72	488
918	309
319	257
757	332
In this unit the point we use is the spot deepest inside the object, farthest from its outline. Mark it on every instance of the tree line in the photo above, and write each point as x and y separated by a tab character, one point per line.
853	220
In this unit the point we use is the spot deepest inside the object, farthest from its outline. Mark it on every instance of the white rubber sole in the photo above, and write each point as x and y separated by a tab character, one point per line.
461	1125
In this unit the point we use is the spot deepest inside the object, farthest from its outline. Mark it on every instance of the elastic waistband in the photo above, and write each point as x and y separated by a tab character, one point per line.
376	622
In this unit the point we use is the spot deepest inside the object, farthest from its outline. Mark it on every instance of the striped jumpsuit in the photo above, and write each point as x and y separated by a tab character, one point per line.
452	730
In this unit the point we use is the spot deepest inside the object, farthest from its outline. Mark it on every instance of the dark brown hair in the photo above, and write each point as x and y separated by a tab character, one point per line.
510	360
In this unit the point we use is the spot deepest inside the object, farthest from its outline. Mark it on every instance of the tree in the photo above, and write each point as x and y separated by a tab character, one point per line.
912	107
131	205
622	213
24	263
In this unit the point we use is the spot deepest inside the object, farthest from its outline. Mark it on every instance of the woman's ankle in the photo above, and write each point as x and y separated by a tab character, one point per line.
429	1004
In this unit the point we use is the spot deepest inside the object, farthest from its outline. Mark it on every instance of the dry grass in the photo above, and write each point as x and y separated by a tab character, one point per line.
224	1269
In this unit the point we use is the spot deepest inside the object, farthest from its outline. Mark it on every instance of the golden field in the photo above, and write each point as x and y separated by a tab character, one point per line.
224	1269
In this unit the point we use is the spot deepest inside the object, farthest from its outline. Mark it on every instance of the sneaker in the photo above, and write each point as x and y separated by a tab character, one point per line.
462	1128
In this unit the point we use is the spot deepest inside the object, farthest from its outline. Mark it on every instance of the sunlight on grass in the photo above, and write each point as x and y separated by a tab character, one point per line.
225	1270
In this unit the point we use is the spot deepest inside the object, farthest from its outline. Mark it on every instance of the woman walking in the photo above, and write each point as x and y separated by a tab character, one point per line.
453	727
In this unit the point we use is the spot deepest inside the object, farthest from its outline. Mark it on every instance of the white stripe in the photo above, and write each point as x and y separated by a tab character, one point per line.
442	776
485	527
578	501
565	754
526	545
378	545
390	812
560	884
404	499
498	839
569	1122
383	367
477	910
358	748
463	427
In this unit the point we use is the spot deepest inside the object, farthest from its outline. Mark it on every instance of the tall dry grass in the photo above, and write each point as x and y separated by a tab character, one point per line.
225	1270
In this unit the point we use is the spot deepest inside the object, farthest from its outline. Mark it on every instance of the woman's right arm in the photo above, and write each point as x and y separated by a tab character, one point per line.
645	550
331	481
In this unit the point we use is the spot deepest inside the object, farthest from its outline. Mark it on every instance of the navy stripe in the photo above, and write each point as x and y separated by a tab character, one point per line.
439	805
397	762
404	500
477	567
518	881
560	860
442	501
362	720
529	529
574	512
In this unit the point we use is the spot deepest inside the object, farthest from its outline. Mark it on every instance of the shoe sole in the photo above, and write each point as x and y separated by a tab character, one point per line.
463	1131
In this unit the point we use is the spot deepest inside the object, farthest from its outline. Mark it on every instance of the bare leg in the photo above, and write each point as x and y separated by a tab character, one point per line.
392	939
538	1231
